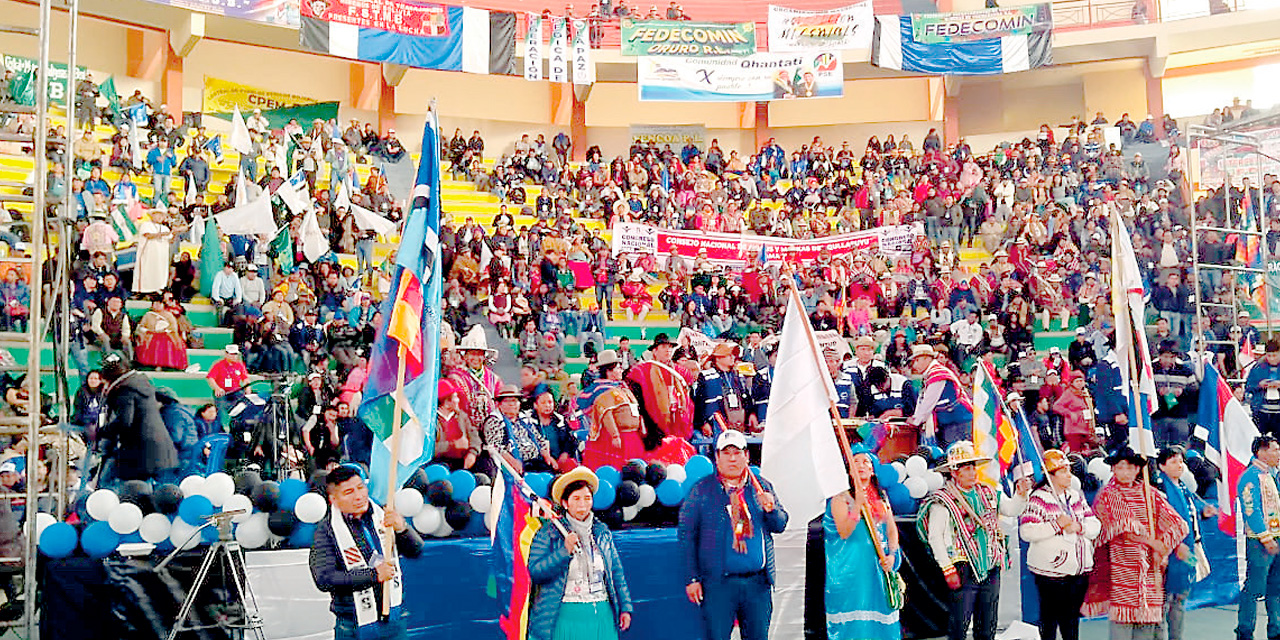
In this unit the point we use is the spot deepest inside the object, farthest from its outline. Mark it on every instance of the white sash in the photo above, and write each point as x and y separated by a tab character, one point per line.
365	600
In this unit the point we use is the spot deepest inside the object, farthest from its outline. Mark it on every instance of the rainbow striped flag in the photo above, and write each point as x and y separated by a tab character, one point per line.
994	433
510	540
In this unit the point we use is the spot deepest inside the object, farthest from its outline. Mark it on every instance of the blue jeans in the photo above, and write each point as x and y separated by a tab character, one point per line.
604	297
392	629
747	599
160	185
1262	580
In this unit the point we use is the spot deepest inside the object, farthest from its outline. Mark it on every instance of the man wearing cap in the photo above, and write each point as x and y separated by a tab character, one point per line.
1263	387
1259	501
721	391
944	410
961	522
726	529
1080	353
1178	394
227	378
457	440
227	291
253	290
1133	547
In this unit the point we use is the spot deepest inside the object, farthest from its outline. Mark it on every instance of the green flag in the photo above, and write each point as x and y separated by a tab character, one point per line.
282	248
211	259
108	89
22	88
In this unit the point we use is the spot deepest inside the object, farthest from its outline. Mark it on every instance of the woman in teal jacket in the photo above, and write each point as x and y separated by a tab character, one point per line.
580	592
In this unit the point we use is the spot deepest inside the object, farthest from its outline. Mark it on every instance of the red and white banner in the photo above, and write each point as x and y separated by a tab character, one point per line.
396	16
630	237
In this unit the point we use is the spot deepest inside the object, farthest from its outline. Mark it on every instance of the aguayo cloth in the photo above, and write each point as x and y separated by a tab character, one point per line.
366	600
1128	576
974	522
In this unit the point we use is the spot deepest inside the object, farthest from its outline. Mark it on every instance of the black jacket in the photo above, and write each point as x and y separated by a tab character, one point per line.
330	572
142	443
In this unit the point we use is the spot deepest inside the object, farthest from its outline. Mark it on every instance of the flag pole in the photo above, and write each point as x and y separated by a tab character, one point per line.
389	544
543	502
1118	227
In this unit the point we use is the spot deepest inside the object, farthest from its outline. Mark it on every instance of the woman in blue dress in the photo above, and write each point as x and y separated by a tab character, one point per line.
857	601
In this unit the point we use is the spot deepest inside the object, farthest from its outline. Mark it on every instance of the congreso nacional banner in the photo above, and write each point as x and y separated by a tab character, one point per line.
841	28
630	237
981	24
282	13
755	78
682	38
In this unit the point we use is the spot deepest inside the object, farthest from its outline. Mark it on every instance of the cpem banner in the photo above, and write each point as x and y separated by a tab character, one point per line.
223	96
841	28
559	51
980	24
755	78
735	249
676	135
584	71
680	38
533	48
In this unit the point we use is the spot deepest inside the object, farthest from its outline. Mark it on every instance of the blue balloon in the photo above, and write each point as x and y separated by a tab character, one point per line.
900	499
1192	453
98	540
194	509
537	481
59	539
604	496
290	490
756	470
132	538
464	482
436	472
697	468
887	475
670	492
936	453
609	473
303	535
208	535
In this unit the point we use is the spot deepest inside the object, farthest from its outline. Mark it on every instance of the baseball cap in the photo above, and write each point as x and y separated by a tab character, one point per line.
1079	331
731	438
233	349
8	467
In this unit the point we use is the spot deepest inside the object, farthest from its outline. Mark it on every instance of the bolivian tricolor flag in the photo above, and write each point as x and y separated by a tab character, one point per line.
511	538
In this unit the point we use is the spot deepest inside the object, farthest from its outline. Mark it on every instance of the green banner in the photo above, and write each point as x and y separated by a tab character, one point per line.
681	38
108	91
304	113
980	24
22	86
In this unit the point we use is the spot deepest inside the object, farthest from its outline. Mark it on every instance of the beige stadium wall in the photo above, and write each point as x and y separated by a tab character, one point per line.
1200	94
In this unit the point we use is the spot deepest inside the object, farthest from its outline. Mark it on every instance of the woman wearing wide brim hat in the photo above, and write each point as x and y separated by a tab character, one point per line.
582	591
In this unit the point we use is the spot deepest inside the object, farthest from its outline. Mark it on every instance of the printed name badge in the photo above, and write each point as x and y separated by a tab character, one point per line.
733	401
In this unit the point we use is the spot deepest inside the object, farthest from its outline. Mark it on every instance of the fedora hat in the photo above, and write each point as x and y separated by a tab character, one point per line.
571	476
508	391
726	349
475	340
962	452
1125	454
660	340
922	351
607	357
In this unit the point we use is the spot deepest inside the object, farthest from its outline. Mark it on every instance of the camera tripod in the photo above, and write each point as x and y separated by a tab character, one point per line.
227	552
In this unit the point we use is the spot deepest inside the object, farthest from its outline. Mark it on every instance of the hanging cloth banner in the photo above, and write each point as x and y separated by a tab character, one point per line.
980	24
533	48
680	38
559	71
584	71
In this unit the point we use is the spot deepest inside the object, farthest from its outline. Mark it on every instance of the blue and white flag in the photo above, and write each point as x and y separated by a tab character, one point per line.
214	145
893	46
295	192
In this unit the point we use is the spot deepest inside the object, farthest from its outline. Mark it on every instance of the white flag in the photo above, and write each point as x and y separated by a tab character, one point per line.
240	139
365	219
248	218
533	48
293	192
1132	356
314	242
801	455
559	69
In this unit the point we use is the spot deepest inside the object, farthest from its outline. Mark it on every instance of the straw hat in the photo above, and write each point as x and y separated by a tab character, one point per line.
475	340
607	357
922	351
962	452
568	478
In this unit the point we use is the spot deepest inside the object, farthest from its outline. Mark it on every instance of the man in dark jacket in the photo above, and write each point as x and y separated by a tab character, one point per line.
347	559
134	433
726	533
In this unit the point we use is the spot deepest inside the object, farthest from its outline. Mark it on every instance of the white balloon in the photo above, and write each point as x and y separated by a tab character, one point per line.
43	520
310	508
444	530
192	485
1075	483
125	519
916	466
481	499
238	502
101	503
648	495
218	488
1189	479
629	513
490	519
180	534
902	471
253	533
917	487
1098	467
154	528
934	480
409	502
676	472
428	520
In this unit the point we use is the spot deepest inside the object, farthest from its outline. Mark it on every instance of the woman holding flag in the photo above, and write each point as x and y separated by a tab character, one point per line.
580	590
857	597
1060	527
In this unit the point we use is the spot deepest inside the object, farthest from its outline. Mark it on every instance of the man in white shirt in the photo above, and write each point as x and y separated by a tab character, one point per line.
968	334
253	289
257	122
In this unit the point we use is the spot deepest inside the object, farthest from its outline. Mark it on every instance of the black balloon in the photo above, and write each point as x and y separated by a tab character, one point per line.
247	481
655	474
166	498
266	496
458	515
418	481
628	494
137	492
483	480
282	523
633	471
317	482
440	493
612	516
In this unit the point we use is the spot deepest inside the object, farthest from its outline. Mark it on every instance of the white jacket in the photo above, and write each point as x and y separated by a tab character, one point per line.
1052	552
